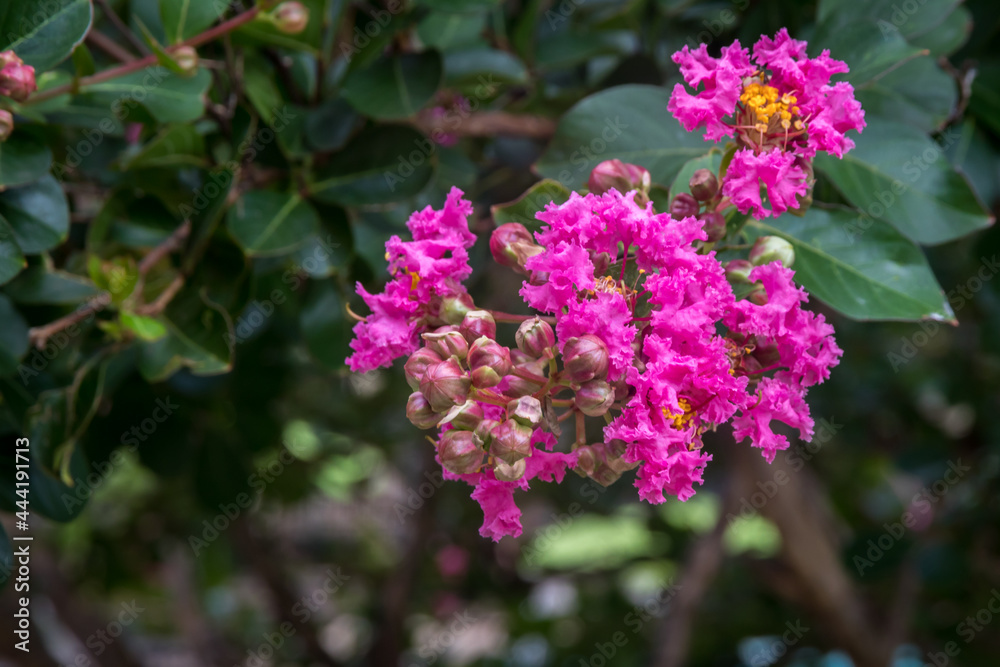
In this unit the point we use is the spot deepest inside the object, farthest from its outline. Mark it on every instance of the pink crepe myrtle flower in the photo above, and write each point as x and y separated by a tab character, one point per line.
780	108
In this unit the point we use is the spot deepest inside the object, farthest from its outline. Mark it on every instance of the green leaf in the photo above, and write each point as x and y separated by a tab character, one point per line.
38	286
13	336
176	146
396	86
168	97
146	328
483	68
11	258
948	37
6	557
860	266
186	18
262	88
985	99
711	161
888	16
630	123
271	223
199	335
868	51
459	6
329	125
898	174
325	326
444	30
919	93
23	158
378	166
524	208
38	214
44	32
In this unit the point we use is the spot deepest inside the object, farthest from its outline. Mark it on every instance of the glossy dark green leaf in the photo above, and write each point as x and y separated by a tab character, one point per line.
186	18
483	69
329	125
175	147
146	328
23	159
170	98
900	175
459	6
860	266
446	31
630	123
949	36
985	100
712	161
37	213
567	49
524	208
271	223
199	337
38	286
325	325
919	93
13	336
867	50
44	32
11	258
888	16
395	86
379	165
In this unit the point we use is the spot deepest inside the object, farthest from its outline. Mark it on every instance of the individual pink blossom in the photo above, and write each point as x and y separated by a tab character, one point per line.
17	80
723	82
776	171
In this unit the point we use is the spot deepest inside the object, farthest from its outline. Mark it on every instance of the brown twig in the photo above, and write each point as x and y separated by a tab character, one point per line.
109	46
486	124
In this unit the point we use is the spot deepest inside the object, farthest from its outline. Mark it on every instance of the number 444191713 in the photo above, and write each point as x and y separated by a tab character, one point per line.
21	480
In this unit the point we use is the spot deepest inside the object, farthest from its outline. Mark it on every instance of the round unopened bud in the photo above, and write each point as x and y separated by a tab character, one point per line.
769	249
594	398
715	225
464	417
447	343
534	336
525	410
704	185
511	245
509	473
17	80
511	441
489	361
6	124
585	358
738	271
684	206
291	18
454	308
590	463
518	387
620	176
484	432
186	58
419	411
458	452
478	323
445	384
416	366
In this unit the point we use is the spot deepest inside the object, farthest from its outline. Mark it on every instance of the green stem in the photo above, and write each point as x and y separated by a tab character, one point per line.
136	65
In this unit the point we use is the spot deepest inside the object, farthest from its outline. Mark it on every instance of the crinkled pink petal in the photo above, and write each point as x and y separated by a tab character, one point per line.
501	516
606	316
840	113
568	269
451	222
776	170
388	333
782	400
722	79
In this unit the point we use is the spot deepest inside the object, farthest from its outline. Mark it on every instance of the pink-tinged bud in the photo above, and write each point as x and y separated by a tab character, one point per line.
512	245
534	336
445	384
683	206
419	411
758	297
478	323
489	361
509	473
416	366
769	249
291	18
6	124
715	225
704	185
464	417
525	410
738	271
17	80
447	343
454	308
511	441
601	262
601	462
517	387
620	176
594	398
186	58
458	452
585	358
484	432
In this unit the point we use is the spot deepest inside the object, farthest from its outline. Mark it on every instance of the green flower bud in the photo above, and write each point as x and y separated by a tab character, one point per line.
525	410
419	411
447	343
620	176
511	245
534	336
704	185
585	358
186	58
511	441
458	452
445	384
489	361
478	323
769	249
291	18
464	417
509	473
594	398
416	366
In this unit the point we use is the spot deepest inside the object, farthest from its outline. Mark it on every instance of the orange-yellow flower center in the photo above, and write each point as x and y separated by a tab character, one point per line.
681	420
765	102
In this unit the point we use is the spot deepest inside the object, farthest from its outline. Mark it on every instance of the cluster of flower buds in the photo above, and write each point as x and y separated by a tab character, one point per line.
622	177
17	80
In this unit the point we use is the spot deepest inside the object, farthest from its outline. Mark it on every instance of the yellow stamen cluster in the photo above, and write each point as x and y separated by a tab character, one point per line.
414	278
680	421
764	102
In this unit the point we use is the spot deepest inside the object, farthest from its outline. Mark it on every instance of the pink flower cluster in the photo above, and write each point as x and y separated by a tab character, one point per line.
637	304
780	108
17	80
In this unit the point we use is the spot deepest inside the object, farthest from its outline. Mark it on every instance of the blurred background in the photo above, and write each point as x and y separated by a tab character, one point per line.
260	505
